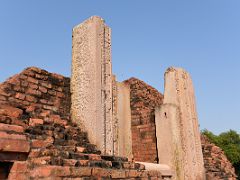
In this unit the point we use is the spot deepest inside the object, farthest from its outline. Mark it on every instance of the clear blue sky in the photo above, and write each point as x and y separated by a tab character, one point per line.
147	37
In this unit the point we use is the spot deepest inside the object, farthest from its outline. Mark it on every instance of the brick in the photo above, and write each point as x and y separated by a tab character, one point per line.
52	92
69	162
14	128
22	76
82	162
42	77
31	98
24	83
28	72
42	89
18	176
81	171
20	96
118	174
132	173
101	172
59	94
5	135
33	86
43	171
36	143
12	145
18	88
10	111
44	101
35	70
14	80
32	80
58	89
45	113
34	92
2	92
47	85
34	122
154	173
19	123
41	160
3	98
19	167
50	108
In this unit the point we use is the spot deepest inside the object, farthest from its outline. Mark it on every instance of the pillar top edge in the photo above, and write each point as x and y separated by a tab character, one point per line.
90	19
176	69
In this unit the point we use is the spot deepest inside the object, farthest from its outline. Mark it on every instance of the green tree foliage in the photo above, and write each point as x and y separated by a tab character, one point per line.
230	143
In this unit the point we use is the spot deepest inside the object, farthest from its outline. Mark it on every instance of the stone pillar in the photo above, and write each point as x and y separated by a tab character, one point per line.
91	82
122	120
178	135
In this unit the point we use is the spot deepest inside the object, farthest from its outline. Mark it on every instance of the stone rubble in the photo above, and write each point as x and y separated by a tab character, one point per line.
217	165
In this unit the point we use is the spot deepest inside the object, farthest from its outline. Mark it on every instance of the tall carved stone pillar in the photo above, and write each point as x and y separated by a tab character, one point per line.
178	136
91	82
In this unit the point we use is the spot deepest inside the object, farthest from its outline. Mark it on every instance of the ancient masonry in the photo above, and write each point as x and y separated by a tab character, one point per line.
93	105
91	82
93	127
177	124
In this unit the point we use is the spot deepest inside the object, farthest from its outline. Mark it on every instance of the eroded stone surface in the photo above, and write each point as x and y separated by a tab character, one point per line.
122	120
178	135
91	82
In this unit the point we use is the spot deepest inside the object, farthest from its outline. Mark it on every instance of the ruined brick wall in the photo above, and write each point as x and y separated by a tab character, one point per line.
217	165
37	93
144	99
35	120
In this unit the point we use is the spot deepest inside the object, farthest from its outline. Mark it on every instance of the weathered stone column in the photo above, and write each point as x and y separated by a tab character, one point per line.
178	136
122	120
91	81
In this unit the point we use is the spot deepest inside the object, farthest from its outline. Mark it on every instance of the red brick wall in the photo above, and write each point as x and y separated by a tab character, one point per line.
37	93
35	111
144	99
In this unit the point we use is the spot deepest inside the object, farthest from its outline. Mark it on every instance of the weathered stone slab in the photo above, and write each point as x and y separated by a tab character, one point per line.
122	120
178	135
91	82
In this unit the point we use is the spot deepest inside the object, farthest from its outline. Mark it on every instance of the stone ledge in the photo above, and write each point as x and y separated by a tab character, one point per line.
164	169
